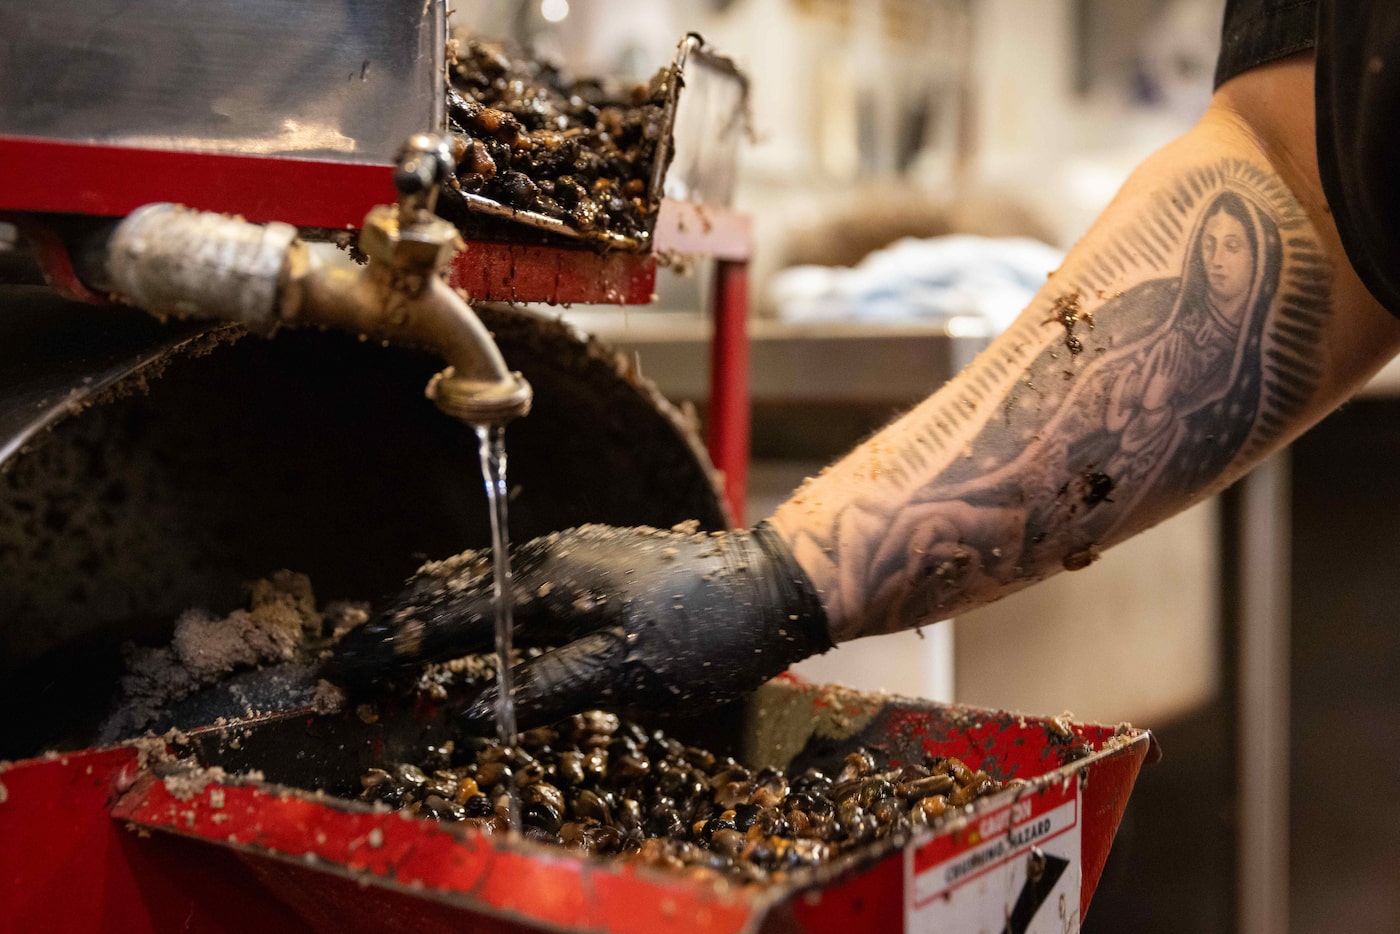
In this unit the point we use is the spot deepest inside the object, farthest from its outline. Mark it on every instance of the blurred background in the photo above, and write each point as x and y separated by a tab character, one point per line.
916	168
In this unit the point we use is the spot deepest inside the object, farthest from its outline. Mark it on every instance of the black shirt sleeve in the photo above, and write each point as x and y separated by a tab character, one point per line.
1358	136
1357	104
1260	31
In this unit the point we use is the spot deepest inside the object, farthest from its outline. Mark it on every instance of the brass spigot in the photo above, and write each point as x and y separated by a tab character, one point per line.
173	261
401	296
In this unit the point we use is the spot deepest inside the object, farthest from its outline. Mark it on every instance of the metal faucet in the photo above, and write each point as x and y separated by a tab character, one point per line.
174	261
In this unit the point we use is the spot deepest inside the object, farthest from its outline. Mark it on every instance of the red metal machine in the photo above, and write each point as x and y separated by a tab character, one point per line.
241	113
160	847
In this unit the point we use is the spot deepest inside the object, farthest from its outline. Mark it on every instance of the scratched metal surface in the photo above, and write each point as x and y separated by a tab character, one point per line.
344	80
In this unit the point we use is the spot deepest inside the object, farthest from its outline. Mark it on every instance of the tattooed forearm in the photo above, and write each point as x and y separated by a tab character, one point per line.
1175	347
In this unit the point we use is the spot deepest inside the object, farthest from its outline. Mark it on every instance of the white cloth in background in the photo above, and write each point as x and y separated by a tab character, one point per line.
914	279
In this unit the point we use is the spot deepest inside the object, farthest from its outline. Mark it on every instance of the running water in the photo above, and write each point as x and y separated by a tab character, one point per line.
493	469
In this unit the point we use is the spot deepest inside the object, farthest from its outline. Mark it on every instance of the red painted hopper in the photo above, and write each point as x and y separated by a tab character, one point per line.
208	850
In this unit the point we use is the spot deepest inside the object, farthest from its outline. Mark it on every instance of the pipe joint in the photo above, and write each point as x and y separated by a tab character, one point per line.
410	254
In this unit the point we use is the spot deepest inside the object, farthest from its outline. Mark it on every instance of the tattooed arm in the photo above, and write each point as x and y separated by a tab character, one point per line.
1207	318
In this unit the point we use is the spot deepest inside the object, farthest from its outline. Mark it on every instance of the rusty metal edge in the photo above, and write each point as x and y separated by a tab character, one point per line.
763	902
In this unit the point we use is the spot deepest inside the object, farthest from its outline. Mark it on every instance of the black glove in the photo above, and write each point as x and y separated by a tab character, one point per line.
640	619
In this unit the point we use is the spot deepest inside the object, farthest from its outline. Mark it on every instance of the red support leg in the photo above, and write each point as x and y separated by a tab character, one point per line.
727	429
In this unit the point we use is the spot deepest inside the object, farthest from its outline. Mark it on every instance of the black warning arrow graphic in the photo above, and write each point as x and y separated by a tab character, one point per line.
1042	872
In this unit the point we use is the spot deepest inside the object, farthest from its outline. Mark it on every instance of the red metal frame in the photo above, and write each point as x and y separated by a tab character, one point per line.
56	177
509	272
67	865
51	254
687	229
239	855
727	425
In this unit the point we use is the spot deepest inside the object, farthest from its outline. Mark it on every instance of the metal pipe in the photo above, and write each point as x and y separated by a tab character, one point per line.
175	262
1263	724
182	263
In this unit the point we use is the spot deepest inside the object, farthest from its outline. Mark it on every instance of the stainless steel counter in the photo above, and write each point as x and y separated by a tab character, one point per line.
805	364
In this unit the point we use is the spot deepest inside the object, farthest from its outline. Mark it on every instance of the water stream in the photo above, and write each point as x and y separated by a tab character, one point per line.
493	469
492	446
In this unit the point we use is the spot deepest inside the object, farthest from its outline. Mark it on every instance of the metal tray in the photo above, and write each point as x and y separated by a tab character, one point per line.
279	847
700	137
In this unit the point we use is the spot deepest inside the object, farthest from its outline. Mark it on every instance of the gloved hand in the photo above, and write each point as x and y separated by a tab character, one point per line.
639	618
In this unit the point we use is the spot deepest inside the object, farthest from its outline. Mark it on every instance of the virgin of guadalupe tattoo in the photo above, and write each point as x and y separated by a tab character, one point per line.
1177	412
1139	405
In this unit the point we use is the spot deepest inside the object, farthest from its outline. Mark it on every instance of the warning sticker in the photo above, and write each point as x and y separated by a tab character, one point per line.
1014	870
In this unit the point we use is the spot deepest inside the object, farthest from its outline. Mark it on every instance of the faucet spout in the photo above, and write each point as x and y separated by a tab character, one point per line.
174	261
325	287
